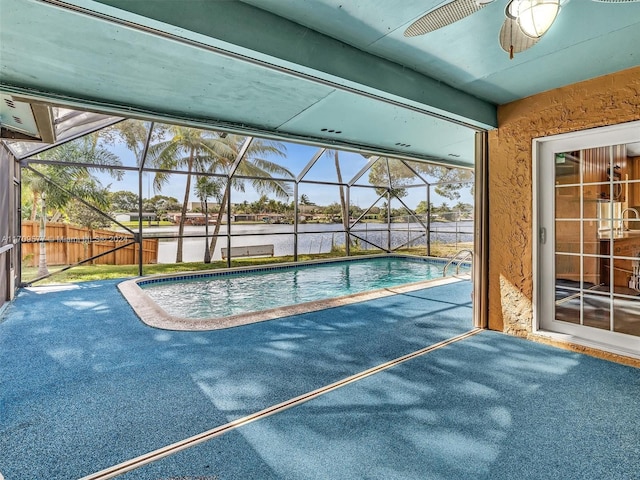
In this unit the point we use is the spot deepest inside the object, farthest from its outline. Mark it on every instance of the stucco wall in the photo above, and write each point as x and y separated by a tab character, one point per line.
607	100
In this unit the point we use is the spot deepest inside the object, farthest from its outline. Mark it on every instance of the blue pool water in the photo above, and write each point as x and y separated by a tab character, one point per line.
223	294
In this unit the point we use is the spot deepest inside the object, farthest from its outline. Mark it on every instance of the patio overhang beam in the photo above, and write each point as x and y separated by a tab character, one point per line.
138	113
270	41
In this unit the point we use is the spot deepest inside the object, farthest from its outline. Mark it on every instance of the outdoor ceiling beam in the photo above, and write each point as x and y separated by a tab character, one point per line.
130	111
44	121
248	33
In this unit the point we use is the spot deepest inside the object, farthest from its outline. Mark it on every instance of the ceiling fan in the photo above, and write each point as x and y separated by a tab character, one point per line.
525	23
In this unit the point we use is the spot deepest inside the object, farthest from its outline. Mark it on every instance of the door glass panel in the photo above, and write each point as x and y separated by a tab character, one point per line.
568	236
568	271
592	276
597	311
591	201
626	315
567	304
590	238
567	168
568	202
597	238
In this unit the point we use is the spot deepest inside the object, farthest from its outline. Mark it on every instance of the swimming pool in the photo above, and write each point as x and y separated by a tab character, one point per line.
218	297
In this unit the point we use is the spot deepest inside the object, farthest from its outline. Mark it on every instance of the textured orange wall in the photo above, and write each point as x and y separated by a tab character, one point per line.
607	100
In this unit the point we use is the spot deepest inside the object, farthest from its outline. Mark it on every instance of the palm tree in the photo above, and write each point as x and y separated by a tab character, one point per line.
212	152
344	208
207	187
304	199
197	150
254	165
60	183
76	180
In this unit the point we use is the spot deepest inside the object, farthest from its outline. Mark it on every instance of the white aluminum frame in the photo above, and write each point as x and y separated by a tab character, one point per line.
544	150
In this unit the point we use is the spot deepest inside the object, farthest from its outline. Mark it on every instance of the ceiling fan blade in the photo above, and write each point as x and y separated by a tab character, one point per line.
443	16
512	39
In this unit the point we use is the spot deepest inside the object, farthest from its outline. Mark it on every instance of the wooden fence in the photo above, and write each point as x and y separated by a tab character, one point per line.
69	244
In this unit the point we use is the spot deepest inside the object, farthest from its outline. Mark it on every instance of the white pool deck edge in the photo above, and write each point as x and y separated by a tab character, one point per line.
155	316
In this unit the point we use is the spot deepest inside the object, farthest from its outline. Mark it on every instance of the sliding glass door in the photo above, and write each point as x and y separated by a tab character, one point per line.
588	213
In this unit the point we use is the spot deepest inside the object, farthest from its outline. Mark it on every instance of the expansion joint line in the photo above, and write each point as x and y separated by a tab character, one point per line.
163	452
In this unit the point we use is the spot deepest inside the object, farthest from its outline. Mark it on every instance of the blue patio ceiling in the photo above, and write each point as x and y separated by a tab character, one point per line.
300	69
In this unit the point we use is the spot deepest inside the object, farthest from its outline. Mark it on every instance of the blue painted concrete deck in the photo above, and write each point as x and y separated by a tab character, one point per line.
85	385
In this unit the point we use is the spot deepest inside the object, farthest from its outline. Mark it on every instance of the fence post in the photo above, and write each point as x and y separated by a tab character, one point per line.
91	235
66	244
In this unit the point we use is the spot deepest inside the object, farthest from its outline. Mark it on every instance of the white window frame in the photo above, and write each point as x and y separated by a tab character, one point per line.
544	323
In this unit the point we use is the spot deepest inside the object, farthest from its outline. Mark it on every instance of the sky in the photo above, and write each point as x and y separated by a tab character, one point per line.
297	157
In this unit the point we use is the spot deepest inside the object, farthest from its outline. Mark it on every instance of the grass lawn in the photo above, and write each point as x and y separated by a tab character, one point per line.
86	273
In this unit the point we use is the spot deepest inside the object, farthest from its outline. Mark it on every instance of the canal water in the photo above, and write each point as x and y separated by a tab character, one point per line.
312	238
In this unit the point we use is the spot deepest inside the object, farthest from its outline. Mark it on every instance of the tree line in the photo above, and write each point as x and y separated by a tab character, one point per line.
70	189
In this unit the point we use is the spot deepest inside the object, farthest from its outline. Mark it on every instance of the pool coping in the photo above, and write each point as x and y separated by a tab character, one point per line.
150	313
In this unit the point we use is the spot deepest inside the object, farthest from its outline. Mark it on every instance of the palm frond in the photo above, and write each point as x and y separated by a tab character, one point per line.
270	168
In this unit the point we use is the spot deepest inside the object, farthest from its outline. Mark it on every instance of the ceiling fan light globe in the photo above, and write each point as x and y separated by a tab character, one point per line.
535	17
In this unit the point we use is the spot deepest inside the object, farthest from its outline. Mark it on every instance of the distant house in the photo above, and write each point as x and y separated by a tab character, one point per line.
192	218
246	217
194	206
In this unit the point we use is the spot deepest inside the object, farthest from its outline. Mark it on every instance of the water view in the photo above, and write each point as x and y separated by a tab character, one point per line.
312	238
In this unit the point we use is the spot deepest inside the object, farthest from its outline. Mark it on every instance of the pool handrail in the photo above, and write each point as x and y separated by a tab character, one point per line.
468	254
